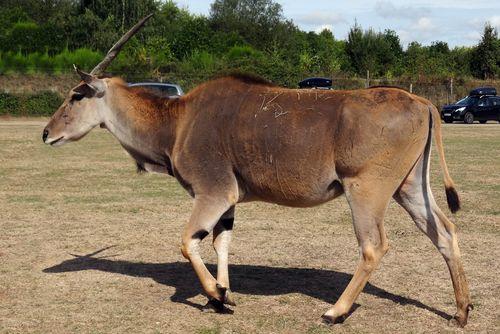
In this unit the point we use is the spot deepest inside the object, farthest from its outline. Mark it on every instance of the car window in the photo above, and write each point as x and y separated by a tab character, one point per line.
468	101
155	90
484	102
495	101
162	91
170	90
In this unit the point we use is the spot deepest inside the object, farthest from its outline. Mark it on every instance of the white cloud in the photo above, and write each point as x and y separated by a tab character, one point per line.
404	36
473	36
460	4
457	22
323	27
412	23
388	10
495	21
478	23
424	24
316	18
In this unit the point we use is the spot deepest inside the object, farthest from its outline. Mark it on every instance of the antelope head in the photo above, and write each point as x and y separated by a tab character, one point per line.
85	106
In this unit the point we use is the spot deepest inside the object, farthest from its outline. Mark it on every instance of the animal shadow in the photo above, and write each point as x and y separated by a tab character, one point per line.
326	285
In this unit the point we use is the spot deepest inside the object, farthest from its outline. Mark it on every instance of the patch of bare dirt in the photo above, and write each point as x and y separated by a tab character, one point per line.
89	246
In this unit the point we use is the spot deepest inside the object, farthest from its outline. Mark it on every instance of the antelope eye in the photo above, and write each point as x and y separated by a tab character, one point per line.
77	97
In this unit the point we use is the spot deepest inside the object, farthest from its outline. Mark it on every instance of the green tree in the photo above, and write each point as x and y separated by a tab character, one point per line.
434	61
390	53
356	49
194	34
460	59
379	53
25	37
125	13
439	48
415	58
486	57
255	20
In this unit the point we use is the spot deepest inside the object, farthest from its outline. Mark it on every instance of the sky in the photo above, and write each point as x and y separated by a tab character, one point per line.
457	22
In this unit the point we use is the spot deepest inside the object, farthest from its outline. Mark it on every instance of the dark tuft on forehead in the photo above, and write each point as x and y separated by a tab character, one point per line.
83	89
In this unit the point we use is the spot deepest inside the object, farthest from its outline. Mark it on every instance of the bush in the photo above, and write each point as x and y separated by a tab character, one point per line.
245	59
32	61
44	63
243	53
37	62
14	62
202	61
24	37
40	104
9	104
84	58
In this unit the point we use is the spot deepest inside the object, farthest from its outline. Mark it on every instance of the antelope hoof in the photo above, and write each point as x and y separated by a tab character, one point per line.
330	320
215	306
457	322
460	318
226	295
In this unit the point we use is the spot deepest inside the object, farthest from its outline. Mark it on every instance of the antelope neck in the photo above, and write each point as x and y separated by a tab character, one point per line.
143	125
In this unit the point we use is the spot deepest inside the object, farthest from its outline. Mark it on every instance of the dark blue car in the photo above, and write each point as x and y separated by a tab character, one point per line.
481	105
318	83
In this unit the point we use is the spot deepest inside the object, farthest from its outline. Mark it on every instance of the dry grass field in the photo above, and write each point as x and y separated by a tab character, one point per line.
89	246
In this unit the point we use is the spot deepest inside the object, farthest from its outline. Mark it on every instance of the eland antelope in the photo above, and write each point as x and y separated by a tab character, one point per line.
237	139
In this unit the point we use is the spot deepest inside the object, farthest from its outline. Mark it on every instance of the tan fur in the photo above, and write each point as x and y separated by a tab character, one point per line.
238	139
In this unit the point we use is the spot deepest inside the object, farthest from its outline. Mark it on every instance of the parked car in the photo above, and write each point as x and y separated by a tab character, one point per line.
319	83
160	89
481	105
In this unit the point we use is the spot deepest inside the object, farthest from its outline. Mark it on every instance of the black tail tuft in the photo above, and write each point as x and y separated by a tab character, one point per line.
452	199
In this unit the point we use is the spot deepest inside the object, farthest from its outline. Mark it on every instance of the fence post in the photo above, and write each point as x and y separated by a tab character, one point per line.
451	90
367	84
411	87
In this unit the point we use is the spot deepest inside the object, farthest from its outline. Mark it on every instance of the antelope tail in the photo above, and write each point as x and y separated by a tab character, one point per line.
451	193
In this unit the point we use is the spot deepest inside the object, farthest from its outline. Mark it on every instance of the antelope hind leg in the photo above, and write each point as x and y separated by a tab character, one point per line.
368	208
415	196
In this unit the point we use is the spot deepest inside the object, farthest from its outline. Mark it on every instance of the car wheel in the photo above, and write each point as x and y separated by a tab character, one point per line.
468	118
482	122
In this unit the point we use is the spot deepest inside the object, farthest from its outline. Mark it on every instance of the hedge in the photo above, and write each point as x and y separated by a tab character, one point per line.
36	62
40	104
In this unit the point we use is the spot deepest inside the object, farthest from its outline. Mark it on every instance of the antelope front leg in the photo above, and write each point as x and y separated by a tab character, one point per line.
206	213
222	239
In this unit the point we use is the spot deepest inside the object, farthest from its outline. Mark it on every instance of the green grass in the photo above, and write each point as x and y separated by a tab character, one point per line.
209	330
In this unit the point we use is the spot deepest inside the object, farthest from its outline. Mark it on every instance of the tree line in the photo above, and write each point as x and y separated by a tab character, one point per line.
247	35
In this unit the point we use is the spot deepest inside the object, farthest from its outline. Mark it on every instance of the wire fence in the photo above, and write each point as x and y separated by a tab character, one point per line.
440	92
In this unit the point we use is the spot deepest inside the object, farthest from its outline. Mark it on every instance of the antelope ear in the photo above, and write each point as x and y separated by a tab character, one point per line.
91	80
87	78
